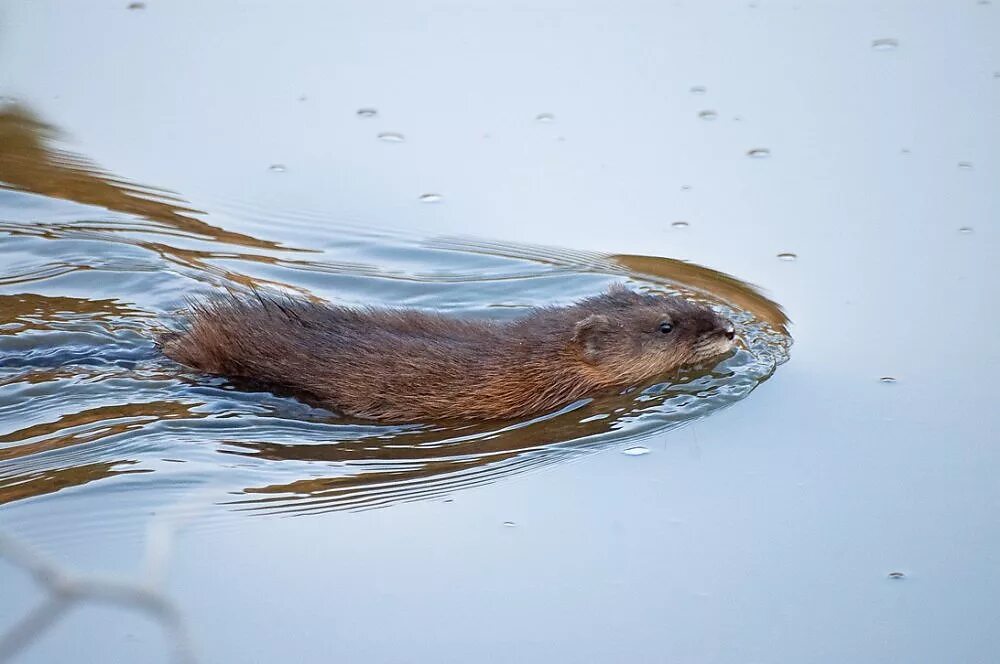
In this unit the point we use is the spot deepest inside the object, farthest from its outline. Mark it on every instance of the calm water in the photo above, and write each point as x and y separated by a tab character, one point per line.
840	160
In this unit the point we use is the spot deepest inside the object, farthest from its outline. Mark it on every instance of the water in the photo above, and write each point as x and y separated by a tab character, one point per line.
886	44
776	500
83	389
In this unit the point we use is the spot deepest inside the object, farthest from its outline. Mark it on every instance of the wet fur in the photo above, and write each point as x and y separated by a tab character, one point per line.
404	365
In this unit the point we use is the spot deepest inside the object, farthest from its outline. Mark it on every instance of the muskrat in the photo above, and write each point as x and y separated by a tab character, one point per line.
400	365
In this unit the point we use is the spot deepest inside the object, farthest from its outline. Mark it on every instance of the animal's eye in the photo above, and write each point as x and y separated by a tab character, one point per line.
666	327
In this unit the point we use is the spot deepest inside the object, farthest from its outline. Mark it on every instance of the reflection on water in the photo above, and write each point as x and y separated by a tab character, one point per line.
85	397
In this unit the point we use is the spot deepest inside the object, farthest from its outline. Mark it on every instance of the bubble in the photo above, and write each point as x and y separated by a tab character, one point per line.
431	198
367	112
698	89
888	380
545	117
787	256
509	524
680	224
708	115
637	450
886	44
965	230
277	168
896	575
965	165
391	137
759	153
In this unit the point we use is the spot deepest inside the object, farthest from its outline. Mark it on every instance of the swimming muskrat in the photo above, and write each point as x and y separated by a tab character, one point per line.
402	365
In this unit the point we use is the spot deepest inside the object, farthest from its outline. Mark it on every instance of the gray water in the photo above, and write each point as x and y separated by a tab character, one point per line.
831	501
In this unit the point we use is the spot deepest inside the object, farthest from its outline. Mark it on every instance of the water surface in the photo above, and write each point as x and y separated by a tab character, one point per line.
806	511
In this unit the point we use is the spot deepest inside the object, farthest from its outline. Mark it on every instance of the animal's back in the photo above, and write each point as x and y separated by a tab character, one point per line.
378	363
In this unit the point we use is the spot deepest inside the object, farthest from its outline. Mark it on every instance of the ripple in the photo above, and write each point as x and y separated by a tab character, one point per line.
87	404
113	404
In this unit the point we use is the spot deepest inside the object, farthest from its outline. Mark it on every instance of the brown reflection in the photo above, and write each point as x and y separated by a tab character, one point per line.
80	430
20	487
30	162
110	421
685	276
432	461
35	312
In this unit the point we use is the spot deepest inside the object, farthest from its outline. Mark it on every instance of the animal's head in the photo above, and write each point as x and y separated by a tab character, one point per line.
632	336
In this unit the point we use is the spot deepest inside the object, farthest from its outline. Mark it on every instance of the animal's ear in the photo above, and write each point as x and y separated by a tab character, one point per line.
591	334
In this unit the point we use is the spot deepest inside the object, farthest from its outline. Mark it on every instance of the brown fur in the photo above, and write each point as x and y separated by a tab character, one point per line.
405	365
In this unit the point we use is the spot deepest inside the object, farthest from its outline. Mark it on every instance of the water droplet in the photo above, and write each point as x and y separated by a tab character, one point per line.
896	575
545	117
759	153
965	229
277	168
509	524
887	44
367	112
302	97
698	90
637	450
787	256
391	137
431	198
888	380
136	5
965	165
708	115
680	224
685	187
